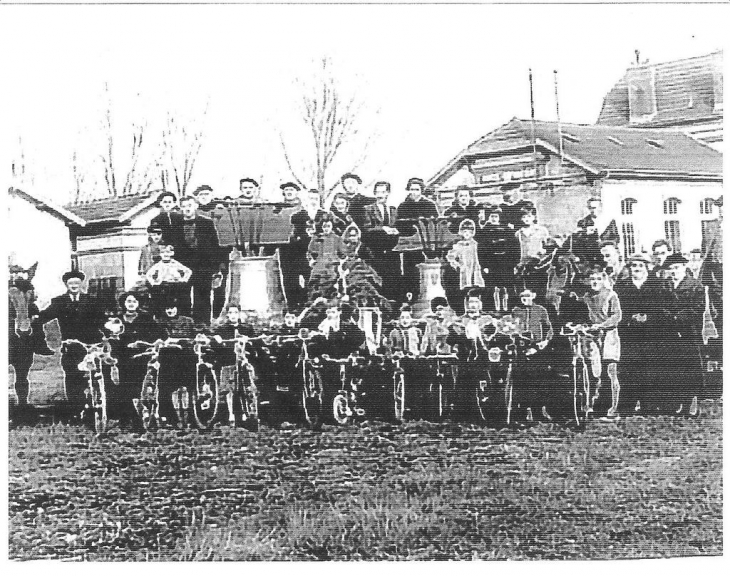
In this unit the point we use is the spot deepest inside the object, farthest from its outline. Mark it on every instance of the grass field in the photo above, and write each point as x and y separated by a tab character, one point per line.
639	488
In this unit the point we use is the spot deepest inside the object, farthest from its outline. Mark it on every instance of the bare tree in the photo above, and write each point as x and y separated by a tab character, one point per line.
180	149
123	173
337	134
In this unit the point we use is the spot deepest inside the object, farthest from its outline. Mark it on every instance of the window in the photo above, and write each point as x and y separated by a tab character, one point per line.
671	205
671	232
629	238
104	290
627	207
709	229
706	206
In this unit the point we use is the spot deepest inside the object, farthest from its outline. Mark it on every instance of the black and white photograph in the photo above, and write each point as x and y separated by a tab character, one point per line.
364	282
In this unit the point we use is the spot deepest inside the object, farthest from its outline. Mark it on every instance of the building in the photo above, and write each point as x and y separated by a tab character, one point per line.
654	183
108	242
682	95
38	231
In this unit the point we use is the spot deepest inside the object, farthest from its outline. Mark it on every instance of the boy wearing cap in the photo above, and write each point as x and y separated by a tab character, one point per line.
683	358
533	322
461	208
79	318
498	253
151	251
249	191
641	329
436	333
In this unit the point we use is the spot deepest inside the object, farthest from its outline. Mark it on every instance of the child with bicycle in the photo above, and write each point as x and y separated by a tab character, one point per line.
604	310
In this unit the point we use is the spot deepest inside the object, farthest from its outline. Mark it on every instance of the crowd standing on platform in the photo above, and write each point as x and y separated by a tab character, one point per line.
501	271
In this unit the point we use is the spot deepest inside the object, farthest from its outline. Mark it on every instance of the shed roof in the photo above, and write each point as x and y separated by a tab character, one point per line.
117	209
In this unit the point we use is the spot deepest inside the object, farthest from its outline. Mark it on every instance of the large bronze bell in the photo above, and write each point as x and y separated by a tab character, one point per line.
255	285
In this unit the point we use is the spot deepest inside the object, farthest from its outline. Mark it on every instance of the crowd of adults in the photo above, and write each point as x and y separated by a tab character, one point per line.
651	310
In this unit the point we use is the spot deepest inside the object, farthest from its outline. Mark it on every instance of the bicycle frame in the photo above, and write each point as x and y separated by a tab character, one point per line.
96	355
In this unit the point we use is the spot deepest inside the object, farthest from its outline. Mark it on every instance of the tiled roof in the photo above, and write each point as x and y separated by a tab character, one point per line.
110	209
601	148
685	90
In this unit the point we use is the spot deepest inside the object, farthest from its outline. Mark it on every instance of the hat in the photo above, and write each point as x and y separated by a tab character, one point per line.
73	274
509	186
154	229
351	175
290	185
242	180
493	209
406	308
418	181
171	302
203	188
528	292
438	301
164	194
640	257
674	259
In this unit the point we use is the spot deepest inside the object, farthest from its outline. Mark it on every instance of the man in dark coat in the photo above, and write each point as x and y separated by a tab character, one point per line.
686	304
79	318
206	204
512	206
499	253
380	235
358	202
169	219
198	249
642	333
462	207
415	206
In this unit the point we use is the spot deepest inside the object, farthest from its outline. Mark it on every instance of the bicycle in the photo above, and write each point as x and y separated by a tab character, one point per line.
583	344
205	394
96	355
345	402
243	400
444	383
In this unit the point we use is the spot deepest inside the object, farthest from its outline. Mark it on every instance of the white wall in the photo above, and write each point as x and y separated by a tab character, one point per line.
39	236
649	217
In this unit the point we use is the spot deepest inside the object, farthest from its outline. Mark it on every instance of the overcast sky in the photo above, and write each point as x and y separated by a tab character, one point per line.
442	76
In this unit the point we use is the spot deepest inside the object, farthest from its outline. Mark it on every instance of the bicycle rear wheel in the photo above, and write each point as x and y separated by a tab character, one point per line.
205	398
312	397
399	396
246	401
146	405
98	403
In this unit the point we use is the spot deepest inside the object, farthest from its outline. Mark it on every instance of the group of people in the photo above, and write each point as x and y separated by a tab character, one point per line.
647	312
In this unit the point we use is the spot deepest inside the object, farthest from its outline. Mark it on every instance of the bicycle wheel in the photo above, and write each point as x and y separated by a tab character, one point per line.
580	392
483	397
312	397
246	401
341	411
98	402
146	404
205	398
399	396
508	393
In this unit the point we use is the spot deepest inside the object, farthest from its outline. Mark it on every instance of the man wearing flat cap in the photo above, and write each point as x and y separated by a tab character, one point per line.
683	361
358	201
290	192
79	318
